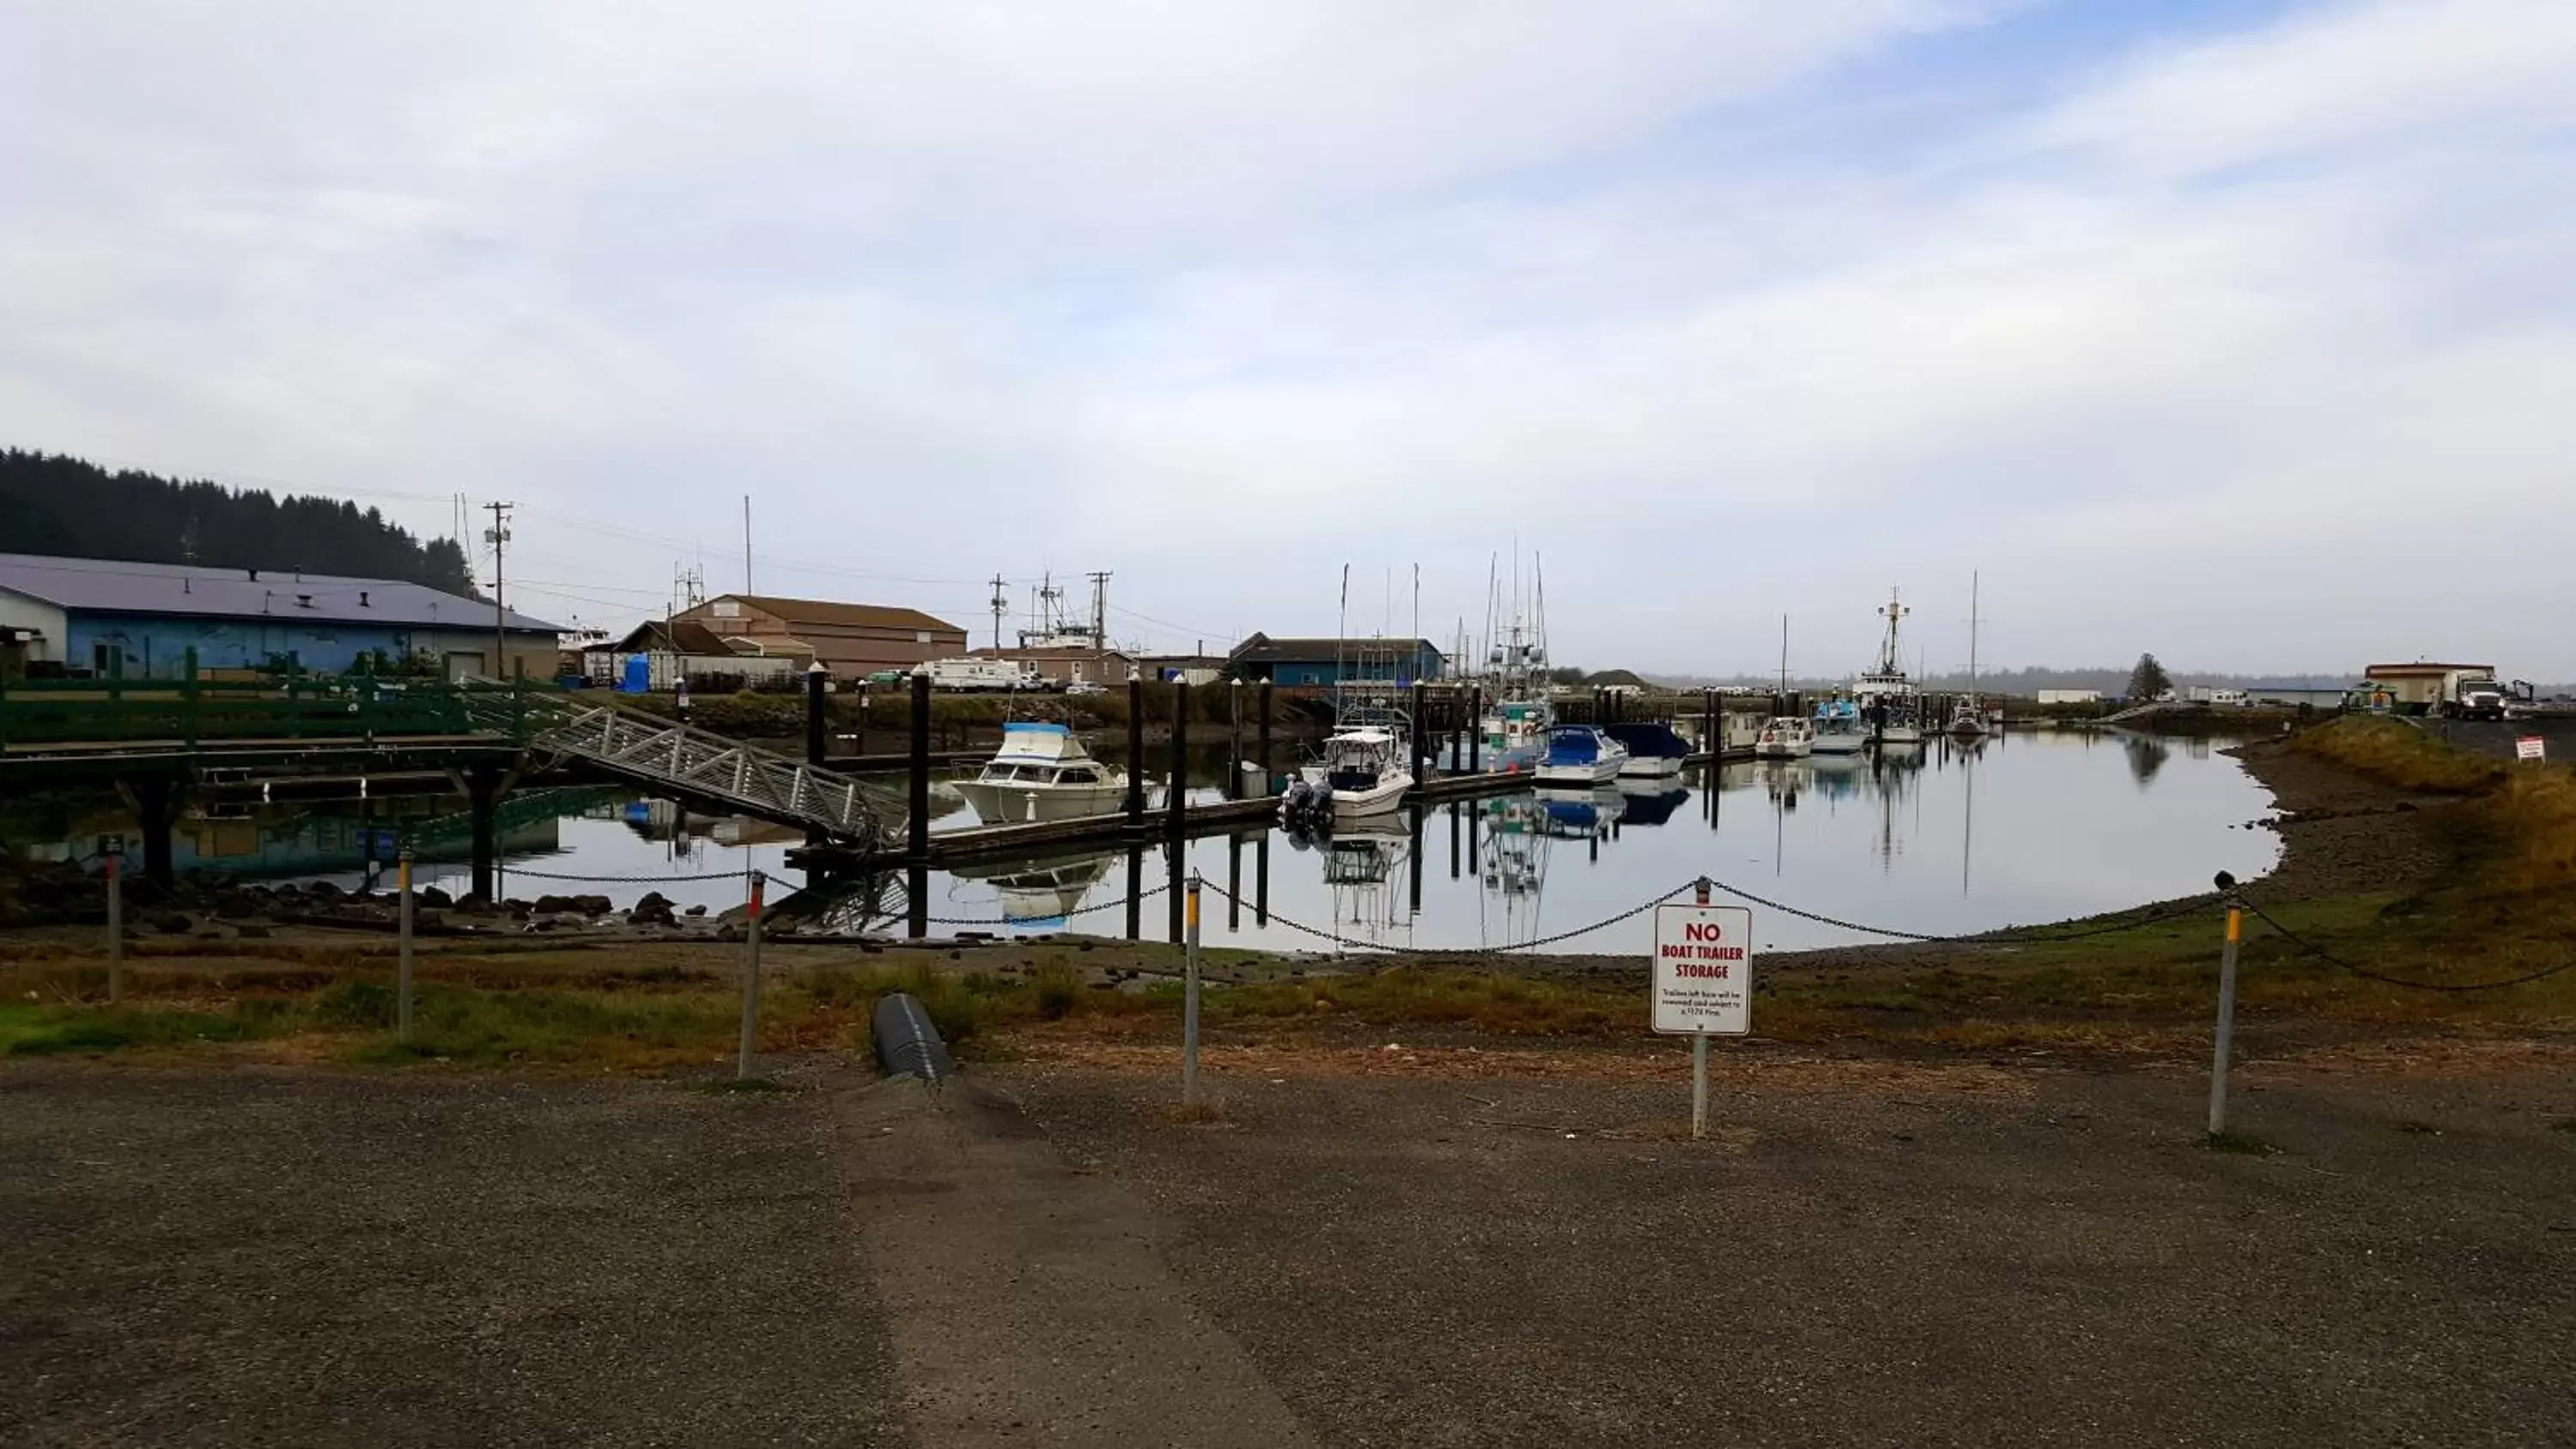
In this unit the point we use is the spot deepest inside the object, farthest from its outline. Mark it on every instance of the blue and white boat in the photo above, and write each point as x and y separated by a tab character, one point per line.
1580	755
1042	772
1655	752
1840	728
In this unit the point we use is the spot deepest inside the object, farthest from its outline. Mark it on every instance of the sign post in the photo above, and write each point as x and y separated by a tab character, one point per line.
115	853
2530	747
1702	983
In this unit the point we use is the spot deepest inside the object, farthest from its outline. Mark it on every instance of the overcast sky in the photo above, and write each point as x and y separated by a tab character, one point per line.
2242	332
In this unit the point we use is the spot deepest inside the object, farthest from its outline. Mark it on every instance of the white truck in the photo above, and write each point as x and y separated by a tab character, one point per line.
966	676
2467	695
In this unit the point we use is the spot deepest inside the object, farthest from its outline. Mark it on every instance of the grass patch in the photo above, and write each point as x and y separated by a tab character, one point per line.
61	1030
2395	753
2241	1144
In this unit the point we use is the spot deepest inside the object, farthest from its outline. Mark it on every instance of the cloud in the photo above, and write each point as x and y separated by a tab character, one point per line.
1729	308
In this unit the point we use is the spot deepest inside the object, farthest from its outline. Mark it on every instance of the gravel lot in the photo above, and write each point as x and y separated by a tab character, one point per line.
2026	1259
235	1256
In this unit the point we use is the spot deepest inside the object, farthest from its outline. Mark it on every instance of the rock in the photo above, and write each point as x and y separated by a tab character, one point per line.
173	924
653	910
695	911
253	931
322	890
435	898
653	899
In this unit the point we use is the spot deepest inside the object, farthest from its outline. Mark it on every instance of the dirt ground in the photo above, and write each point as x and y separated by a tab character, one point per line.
1870	1253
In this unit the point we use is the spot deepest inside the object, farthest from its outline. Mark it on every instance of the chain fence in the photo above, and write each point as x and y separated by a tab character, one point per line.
2383	978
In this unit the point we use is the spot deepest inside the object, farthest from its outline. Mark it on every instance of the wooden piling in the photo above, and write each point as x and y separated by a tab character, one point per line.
920	796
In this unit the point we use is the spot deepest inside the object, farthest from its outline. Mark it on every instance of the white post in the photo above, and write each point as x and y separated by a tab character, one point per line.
2226	1023
402	968
1190	1001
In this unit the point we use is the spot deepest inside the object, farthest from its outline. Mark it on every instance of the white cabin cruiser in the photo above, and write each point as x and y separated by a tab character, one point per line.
1786	737
1042	772
1580	755
1840	729
1363	772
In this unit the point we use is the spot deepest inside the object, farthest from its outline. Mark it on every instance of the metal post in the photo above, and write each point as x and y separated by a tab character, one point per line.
115	926
1699	1085
1190	1003
919	804
1418	736
2226	1022
1136	892
1476	730
750	983
402	950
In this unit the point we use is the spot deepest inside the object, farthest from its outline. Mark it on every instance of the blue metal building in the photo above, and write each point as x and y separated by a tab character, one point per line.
1326	662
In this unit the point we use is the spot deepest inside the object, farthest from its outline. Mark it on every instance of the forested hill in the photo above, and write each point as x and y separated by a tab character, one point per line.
63	506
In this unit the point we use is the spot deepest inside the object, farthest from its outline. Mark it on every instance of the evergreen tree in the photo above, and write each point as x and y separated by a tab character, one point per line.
63	506
2148	680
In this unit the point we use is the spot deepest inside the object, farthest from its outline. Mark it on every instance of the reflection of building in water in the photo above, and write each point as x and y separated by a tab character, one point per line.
1038	894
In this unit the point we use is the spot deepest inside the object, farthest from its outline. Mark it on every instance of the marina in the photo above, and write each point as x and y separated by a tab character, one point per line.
1942	839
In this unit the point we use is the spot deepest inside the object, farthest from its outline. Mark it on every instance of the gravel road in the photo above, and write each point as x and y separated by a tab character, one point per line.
2052	1259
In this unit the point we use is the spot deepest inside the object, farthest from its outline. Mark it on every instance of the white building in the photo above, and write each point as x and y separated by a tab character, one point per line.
2070	696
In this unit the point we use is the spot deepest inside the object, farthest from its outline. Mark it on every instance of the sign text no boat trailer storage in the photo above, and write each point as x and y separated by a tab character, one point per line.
1703	976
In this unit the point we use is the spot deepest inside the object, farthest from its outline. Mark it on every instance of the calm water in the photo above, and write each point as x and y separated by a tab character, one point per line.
2030	828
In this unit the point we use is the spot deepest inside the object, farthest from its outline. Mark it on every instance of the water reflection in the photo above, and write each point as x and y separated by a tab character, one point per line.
1939	840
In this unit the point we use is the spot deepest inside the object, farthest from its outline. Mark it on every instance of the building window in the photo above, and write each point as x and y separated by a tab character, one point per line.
921	636
725	609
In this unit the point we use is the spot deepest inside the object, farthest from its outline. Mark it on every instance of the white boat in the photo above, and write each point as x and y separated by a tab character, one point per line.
1042	772
1580	755
1967	720
1515	729
1840	730
1363	772
1890	707
1786	737
1515	733
1655	751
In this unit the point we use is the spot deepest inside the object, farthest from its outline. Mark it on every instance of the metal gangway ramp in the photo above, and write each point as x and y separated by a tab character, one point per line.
676	759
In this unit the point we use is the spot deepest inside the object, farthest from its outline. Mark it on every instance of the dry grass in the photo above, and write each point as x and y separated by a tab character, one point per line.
2400	755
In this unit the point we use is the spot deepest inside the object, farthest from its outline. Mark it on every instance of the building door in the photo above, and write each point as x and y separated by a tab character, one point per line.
463	664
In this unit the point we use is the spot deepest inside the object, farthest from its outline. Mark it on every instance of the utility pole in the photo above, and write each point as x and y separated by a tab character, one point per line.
1001	606
498	535
1100	609
746	543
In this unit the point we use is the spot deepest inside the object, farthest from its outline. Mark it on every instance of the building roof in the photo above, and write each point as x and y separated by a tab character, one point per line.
824	611
111	586
676	636
1262	649
2404	671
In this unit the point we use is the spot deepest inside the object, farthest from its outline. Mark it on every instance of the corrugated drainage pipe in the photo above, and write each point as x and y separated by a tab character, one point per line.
907	1043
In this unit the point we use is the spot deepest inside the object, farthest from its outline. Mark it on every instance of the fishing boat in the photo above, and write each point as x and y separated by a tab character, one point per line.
1041	772
1363	772
1580	755
1655	751
1840	729
1516	728
1889	703
1786	737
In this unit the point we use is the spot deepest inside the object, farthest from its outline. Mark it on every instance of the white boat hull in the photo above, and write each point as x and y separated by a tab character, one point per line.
1898	737
1378	799
1782	750
1006	804
1838	744
1594	773
1650	767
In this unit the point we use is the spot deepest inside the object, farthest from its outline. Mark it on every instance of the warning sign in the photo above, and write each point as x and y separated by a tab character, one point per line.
2530	747
1703	970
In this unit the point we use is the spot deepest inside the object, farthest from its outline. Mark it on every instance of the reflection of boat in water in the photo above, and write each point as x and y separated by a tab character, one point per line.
1579	814
1361	860
1655	751
1649	802
1038	894
1041	772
